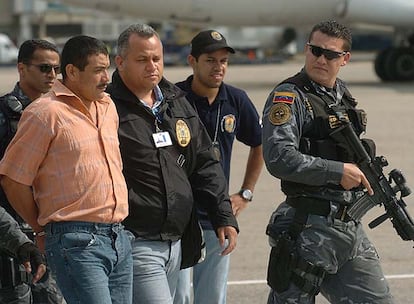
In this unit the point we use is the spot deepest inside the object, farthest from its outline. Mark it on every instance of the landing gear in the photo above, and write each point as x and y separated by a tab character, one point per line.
395	64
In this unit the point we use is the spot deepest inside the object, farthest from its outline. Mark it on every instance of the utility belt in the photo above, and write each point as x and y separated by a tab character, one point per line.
12	273
286	266
320	203
315	206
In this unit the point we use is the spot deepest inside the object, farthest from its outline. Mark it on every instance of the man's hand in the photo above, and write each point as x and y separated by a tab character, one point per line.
33	260
354	177
238	203
230	233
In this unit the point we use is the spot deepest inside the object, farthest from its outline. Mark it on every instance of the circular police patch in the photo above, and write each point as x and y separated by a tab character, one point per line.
228	123
183	133
216	36
279	113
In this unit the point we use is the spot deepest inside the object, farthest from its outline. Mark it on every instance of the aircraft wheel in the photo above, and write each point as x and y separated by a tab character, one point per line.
380	64
400	63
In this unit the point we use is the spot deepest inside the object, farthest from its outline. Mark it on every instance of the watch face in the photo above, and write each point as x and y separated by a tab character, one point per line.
247	194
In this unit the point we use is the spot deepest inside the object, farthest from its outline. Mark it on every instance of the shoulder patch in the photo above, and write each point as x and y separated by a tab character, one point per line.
286	97
279	114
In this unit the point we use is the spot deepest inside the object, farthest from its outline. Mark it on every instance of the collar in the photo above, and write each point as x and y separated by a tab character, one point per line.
118	90
61	90
157	103
221	96
158	94
336	93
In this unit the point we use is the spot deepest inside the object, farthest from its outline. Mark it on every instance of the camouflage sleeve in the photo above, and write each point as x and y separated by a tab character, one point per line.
285	116
11	237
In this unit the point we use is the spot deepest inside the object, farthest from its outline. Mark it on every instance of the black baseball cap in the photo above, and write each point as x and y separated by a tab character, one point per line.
207	42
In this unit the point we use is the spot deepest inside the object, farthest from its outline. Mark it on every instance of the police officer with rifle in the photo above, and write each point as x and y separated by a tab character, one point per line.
317	238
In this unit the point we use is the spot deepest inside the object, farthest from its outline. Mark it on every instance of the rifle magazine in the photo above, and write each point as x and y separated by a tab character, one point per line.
360	207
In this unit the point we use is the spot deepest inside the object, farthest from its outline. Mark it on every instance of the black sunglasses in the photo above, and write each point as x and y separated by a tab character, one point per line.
47	68
329	54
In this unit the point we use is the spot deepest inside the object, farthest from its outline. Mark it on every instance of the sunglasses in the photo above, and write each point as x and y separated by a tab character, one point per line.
47	68
318	52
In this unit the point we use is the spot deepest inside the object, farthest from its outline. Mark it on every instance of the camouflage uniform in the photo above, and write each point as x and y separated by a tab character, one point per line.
11	239
349	266
45	291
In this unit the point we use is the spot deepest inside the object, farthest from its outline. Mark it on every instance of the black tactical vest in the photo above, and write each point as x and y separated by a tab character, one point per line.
10	108
316	139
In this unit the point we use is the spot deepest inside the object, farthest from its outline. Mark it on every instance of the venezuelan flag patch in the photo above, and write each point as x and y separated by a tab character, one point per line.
285	97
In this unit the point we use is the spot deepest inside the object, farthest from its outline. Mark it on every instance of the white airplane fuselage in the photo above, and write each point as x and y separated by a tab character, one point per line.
398	13
397	63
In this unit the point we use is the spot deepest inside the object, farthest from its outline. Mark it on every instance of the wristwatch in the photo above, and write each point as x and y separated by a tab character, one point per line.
246	194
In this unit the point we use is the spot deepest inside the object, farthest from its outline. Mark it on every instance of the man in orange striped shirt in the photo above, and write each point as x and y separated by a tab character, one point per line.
63	174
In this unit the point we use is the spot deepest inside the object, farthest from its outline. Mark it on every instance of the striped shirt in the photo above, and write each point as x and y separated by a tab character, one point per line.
73	165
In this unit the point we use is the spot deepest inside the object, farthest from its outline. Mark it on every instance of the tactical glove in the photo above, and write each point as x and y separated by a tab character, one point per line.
29	252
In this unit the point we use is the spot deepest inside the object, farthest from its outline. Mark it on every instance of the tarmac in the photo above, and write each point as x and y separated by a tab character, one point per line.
390	108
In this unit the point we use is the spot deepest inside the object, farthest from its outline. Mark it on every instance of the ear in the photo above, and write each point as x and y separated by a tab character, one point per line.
191	60
347	57
119	62
20	68
72	72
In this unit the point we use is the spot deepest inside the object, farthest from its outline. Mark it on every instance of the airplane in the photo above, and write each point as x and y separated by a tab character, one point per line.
395	63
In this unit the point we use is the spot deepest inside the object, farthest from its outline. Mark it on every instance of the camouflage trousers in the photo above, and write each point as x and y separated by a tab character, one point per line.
44	292
342	249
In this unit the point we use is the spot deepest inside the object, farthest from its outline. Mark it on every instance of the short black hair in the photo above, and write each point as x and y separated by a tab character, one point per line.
28	48
334	29
77	50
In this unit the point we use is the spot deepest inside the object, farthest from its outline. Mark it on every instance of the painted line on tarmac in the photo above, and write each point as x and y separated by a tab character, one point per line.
399	276
256	282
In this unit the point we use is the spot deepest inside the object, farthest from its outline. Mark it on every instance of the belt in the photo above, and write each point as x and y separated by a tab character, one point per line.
77	226
317	206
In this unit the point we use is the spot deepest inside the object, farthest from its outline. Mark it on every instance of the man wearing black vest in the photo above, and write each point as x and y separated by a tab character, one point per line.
316	245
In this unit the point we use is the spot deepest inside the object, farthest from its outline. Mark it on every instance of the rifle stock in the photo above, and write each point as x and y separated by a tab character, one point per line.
385	190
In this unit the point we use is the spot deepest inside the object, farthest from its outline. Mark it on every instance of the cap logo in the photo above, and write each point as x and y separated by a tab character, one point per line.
216	36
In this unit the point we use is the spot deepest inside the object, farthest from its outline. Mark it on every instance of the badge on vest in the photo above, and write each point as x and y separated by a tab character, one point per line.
183	133
279	114
334	122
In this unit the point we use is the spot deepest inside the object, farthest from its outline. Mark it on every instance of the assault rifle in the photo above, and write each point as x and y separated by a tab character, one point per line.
385	190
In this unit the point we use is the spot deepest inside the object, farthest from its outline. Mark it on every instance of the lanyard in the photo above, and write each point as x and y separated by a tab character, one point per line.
217	124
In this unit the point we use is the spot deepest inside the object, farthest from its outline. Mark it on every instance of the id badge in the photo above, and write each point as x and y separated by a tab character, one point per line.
162	139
